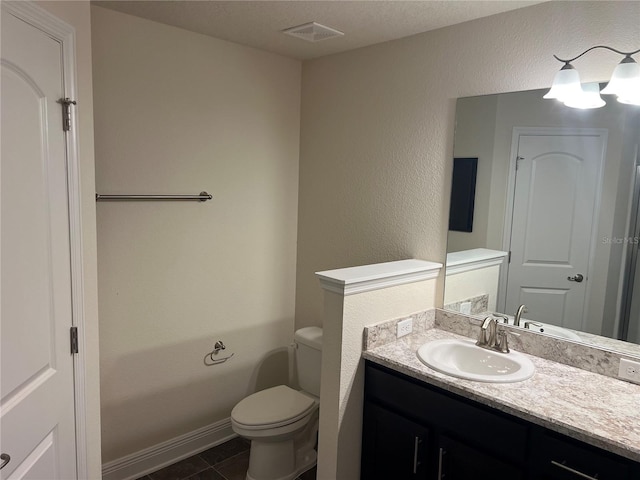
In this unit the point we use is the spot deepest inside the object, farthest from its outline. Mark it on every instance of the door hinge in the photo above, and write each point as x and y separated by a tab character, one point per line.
518	160
74	339
509	257
66	112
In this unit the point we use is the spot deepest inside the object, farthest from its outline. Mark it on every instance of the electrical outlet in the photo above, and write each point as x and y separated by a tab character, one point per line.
629	370
405	327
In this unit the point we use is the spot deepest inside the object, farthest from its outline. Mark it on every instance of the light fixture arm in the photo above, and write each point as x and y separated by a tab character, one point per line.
626	54
624	83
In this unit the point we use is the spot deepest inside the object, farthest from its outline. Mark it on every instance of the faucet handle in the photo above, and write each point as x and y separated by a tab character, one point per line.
482	337
502	341
528	323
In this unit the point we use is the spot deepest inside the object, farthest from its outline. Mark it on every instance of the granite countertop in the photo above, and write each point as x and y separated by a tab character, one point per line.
593	408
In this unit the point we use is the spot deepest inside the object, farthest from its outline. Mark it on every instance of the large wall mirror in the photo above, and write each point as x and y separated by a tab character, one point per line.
554	224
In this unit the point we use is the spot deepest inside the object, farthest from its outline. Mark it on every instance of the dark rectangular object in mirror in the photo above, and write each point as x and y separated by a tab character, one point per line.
463	194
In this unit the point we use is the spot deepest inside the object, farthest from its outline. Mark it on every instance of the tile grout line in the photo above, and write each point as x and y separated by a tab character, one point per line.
229	458
213	467
203	459
208	468
218	472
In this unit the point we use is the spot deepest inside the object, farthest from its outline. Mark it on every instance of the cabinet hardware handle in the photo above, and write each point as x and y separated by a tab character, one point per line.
576	472
416	443
441	453
5	458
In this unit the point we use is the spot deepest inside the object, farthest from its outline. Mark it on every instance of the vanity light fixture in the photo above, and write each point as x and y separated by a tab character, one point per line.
624	83
588	97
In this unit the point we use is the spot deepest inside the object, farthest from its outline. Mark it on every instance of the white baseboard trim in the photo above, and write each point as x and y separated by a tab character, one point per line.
166	453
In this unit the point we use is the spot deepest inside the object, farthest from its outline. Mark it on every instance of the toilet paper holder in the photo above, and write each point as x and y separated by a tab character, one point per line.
217	348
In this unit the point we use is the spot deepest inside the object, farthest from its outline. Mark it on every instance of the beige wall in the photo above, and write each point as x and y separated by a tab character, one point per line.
378	124
178	112
77	14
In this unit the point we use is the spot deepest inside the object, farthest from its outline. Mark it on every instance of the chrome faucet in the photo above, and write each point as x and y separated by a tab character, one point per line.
491	338
487	335
521	309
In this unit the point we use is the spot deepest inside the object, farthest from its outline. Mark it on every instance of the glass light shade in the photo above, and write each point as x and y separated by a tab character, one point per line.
625	81
632	100
589	97
566	84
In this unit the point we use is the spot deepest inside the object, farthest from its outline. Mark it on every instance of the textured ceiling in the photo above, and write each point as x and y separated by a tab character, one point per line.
259	23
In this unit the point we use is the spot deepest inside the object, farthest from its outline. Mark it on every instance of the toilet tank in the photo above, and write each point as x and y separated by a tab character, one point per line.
308	342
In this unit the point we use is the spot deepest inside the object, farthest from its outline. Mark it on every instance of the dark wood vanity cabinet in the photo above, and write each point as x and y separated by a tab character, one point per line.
396	446
559	458
412	430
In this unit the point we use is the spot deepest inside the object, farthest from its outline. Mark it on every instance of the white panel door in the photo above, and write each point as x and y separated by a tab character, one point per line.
556	189
37	391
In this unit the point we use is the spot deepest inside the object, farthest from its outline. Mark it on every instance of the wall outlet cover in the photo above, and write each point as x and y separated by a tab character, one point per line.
405	327
629	370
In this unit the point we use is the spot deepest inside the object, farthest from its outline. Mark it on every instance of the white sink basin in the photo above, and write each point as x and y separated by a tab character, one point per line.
463	359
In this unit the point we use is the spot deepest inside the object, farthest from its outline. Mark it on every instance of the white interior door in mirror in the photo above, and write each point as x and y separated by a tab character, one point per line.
37	393
557	186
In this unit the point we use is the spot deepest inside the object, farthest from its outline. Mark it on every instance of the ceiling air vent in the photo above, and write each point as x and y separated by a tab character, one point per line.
312	32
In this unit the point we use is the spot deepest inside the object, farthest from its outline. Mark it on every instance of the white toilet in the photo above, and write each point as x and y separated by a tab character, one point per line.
281	422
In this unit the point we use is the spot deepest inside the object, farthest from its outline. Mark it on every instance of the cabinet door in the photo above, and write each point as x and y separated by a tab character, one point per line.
393	447
457	461
558	458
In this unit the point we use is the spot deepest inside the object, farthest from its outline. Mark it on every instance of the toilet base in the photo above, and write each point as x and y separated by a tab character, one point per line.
304	461
284	459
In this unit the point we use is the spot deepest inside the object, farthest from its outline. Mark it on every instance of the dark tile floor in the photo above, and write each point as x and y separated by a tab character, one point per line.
228	461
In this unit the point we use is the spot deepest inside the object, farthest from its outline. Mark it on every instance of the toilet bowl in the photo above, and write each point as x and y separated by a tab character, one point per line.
282	423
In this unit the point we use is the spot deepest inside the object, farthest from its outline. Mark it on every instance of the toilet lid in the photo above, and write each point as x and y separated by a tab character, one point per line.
277	405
